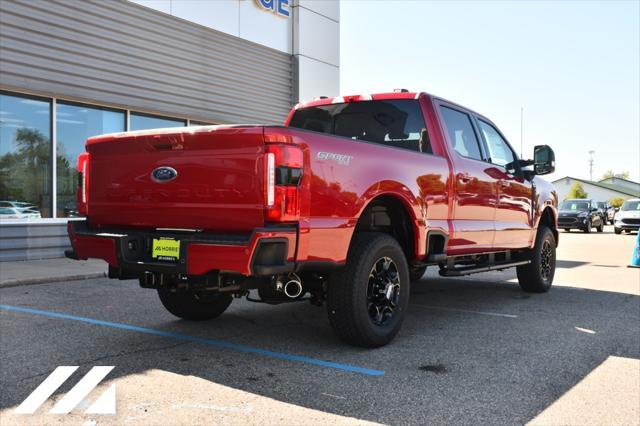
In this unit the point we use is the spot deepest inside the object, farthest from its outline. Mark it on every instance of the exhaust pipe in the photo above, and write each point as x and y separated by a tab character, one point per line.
292	286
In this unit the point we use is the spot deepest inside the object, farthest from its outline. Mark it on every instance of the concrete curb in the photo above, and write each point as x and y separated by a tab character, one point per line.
46	280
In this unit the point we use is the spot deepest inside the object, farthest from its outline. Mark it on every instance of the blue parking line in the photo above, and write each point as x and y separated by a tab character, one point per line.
209	342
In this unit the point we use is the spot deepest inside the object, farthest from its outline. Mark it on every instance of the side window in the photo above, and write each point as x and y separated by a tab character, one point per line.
499	152
461	133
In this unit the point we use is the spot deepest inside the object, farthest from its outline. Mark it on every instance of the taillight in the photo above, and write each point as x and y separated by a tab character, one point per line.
283	169
83	184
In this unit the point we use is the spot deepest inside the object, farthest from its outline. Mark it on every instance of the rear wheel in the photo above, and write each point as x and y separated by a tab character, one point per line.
617	231
415	273
537	276
600	227
367	299
194	305
587	228
567	229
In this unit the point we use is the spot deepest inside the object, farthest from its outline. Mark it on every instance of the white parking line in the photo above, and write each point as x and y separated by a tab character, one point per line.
442	308
333	396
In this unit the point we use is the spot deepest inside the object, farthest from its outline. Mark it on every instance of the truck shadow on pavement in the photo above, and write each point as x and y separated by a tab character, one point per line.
470	351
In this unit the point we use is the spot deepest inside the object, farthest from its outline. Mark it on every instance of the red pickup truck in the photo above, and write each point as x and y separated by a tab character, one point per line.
346	204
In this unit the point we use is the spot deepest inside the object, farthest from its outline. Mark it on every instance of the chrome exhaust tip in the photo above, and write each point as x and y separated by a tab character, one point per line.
293	288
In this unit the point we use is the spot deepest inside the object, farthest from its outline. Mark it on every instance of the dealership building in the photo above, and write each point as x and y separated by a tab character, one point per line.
77	68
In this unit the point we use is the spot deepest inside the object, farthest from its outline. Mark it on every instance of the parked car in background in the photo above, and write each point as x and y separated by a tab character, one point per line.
17	205
628	217
579	214
603	206
611	213
16	213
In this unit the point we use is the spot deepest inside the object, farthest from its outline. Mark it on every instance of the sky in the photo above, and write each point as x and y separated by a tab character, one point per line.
573	66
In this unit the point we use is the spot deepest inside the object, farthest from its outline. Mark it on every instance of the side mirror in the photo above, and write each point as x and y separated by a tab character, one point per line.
544	160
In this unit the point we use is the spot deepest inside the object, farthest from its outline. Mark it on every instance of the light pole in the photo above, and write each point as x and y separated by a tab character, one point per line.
591	164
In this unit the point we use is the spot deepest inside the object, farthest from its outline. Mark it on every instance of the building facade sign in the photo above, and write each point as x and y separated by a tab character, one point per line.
278	7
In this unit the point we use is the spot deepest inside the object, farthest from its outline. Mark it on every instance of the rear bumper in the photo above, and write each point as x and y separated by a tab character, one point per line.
266	251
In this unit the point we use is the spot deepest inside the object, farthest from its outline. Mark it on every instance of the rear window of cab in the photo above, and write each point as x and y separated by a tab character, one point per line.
397	123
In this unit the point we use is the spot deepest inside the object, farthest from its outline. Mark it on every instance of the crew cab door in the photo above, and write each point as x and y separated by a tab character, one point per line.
513	219
474	186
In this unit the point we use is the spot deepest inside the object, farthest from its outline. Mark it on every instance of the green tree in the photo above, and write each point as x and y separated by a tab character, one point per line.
25	172
577	191
616	202
610	174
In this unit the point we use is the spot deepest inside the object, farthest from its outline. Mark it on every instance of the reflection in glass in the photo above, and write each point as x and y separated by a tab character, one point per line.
25	157
143	122
74	125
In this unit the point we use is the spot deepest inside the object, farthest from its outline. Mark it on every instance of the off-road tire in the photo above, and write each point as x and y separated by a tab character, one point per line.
416	273
194	306
537	276
348	305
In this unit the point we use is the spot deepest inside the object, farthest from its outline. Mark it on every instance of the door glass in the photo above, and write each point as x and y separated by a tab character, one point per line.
25	157
75	124
461	133
499	151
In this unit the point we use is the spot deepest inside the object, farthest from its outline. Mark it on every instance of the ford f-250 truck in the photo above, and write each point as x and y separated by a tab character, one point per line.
346	204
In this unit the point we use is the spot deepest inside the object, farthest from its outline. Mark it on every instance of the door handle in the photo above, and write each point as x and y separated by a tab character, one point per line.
464	178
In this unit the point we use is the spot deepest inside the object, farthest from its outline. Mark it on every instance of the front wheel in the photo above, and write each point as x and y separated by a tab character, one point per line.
367	299
587	228
537	276
600	227
617	231
194	305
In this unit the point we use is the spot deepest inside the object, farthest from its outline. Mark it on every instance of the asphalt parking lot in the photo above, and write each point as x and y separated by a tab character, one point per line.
472	351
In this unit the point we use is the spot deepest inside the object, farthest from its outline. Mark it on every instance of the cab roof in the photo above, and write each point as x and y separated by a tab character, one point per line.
324	100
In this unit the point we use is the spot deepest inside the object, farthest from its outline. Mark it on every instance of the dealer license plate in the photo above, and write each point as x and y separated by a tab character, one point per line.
166	249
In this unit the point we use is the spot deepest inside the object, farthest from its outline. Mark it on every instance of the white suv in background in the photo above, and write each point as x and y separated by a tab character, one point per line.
628	217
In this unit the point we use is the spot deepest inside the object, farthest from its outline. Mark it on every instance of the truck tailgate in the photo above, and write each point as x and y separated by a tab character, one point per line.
218	182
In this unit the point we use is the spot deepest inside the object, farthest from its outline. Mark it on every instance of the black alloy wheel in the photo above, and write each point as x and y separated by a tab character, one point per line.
547	260
367	300
383	291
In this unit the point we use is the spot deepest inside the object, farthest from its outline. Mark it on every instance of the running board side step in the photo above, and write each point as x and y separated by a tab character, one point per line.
468	270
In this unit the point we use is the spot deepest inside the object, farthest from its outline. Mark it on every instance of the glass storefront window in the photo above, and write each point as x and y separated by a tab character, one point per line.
199	123
144	121
25	157
75	123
